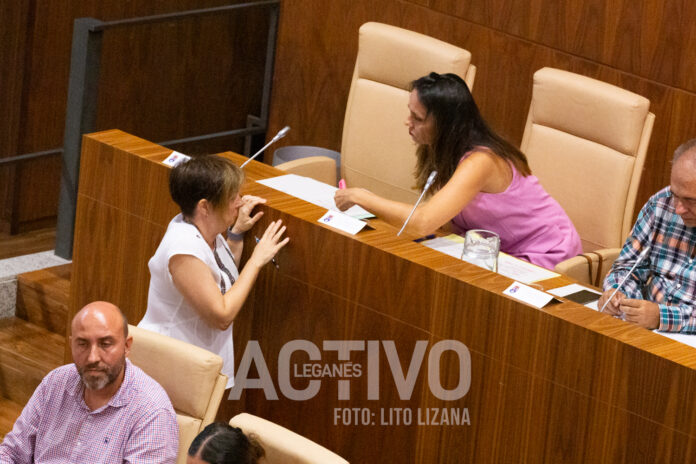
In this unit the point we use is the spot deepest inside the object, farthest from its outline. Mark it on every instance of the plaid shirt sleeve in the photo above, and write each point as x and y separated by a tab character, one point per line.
154	440
675	318
18	445
636	242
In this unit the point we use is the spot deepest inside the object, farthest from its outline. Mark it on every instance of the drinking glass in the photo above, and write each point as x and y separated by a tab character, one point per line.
481	248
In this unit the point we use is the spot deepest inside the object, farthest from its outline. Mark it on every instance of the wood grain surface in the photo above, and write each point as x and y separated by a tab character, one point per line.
561	384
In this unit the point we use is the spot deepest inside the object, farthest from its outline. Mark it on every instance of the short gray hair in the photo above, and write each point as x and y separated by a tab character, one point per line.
683	148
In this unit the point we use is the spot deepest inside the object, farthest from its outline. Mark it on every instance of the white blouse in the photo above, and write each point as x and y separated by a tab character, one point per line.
167	311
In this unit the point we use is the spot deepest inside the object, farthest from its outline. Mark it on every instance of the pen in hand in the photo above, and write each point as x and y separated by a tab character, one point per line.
623	281
273	260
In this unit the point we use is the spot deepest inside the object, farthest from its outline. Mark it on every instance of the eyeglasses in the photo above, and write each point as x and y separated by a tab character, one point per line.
689	203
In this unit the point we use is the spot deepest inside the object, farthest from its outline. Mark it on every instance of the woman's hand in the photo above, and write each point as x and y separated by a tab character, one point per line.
269	244
245	220
345	198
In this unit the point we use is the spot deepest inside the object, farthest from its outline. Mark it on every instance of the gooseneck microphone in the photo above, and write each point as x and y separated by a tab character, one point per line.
428	183
281	133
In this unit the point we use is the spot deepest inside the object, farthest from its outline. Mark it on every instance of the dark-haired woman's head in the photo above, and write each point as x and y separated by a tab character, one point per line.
448	105
221	443
212	178
450	124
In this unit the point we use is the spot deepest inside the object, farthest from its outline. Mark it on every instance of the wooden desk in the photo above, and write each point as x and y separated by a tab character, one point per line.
562	384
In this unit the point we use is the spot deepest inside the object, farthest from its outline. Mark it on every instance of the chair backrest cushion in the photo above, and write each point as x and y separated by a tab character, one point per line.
377	152
186	372
589	109
283	446
585	141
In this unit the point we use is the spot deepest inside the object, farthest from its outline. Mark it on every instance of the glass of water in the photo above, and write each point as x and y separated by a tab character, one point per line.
481	248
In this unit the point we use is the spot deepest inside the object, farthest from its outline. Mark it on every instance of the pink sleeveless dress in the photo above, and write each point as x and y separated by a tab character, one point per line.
531	225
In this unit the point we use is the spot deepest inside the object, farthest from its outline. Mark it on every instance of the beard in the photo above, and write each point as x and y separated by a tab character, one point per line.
97	376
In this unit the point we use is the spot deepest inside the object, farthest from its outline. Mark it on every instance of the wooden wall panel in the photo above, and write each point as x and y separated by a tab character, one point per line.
163	81
218	66
687	72
15	16
642	37
644	46
684	118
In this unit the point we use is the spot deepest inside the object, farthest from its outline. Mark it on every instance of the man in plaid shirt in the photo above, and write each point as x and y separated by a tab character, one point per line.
661	291
101	409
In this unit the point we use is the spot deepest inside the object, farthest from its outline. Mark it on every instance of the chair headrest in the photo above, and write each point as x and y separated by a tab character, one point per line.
186	372
588	108
282	445
396	57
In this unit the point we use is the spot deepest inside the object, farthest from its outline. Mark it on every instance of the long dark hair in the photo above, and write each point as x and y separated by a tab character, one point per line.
221	443
458	127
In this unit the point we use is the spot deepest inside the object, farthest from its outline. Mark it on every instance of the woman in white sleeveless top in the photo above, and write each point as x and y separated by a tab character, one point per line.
196	289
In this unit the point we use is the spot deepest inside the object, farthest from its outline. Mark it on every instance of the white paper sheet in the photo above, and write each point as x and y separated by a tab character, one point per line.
520	270
312	191
509	266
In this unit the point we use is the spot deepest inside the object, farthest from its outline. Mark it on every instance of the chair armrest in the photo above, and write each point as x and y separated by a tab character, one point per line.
589	268
609	255
320	168
578	268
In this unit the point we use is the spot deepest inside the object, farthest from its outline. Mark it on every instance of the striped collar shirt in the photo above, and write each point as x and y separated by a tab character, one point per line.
138	424
668	275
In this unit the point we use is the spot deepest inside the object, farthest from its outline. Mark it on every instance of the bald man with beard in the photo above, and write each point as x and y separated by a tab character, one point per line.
101	409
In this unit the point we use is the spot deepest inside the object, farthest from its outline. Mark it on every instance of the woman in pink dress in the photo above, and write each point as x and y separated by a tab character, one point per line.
483	181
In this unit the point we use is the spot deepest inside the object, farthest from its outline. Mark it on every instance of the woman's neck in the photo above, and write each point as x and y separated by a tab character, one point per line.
205	230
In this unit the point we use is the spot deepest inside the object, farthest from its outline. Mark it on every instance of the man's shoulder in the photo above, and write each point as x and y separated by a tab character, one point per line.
62	377
660	203
661	195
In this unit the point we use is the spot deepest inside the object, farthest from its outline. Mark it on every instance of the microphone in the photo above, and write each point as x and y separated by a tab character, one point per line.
641	257
428	183
281	133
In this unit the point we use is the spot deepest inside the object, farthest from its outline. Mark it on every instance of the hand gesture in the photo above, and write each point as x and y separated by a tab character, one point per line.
245	220
269	244
345	198
613	307
642	312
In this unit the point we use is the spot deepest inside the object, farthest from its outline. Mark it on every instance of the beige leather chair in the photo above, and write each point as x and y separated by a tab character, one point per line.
190	375
283	446
376	152
590	267
586	141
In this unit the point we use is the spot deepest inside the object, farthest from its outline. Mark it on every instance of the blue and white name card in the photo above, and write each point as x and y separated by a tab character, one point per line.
175	158
528	295
342	222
